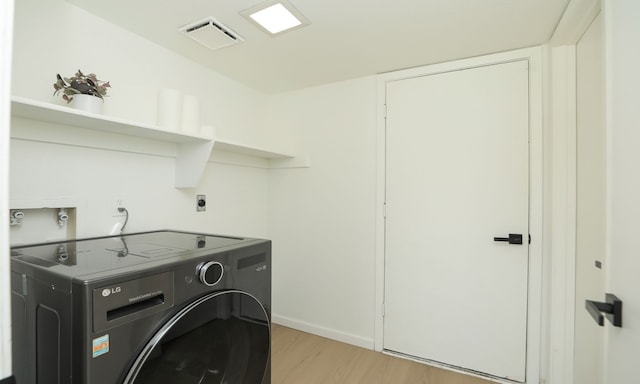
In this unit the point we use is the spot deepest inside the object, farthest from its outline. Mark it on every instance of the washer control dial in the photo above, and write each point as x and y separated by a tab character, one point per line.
210	273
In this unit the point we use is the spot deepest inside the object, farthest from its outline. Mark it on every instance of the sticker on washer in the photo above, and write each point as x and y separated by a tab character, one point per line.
100	345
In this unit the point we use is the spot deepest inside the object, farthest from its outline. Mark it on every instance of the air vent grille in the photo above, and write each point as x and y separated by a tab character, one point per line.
211	33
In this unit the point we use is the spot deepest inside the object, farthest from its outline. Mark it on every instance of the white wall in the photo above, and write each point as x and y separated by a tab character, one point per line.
56	37
91	179
322	219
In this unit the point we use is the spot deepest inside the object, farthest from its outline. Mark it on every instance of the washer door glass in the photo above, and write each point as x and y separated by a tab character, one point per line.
223	337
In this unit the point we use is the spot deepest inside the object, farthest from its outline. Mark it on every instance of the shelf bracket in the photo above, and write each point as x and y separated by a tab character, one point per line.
191	160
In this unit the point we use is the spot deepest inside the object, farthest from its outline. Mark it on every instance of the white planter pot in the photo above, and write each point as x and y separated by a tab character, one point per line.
87	103
170	109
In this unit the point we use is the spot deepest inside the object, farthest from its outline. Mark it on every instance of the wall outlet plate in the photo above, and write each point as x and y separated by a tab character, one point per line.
201	203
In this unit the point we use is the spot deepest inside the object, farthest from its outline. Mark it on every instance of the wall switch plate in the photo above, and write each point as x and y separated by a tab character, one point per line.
201	203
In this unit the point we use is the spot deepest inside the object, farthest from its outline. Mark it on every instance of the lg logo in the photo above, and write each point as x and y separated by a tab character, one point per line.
108	291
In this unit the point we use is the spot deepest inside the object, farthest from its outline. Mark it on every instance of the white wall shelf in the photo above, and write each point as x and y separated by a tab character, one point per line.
52	113
193	151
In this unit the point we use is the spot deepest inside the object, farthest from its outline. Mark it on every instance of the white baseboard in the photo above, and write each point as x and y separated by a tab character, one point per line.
323	331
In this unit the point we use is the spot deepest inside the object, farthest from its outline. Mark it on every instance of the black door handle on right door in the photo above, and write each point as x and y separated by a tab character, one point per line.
611	308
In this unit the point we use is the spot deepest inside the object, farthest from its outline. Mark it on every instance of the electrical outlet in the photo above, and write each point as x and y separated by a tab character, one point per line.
117	203
201	203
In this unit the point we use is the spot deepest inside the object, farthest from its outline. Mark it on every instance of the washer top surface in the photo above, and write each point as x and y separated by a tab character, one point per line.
81	257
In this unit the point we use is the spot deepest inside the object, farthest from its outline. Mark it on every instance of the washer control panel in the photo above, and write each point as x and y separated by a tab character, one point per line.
210	273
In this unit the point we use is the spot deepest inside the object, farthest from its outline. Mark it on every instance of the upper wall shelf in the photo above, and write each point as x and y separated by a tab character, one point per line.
193	150
52	113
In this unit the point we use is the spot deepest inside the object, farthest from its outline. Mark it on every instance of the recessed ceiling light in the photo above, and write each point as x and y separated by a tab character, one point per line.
275	17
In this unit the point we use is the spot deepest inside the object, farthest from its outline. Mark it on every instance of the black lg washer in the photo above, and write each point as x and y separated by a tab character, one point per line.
158	307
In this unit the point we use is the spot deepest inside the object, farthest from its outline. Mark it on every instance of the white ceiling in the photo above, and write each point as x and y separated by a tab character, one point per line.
346	38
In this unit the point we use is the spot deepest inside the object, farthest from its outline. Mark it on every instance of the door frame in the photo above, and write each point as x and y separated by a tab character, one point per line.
536	193
560	273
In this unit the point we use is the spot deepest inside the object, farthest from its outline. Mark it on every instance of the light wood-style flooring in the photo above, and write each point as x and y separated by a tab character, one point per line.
301	358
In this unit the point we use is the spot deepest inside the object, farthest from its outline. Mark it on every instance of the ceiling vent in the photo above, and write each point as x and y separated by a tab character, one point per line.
211	33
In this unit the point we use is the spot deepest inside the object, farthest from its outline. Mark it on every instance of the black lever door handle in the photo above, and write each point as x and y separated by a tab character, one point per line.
612	309
514	238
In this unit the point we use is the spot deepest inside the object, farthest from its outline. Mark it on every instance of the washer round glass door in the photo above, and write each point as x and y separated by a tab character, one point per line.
220	338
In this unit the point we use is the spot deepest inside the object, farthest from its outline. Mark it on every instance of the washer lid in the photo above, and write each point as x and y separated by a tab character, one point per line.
76	258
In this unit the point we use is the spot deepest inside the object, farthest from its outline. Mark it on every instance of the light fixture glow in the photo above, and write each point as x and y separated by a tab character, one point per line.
276	18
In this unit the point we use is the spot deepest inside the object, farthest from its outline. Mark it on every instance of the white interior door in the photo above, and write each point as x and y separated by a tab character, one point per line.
622	32
457	175
616	350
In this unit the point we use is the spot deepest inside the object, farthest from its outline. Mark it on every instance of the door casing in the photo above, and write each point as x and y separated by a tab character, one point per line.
534	56
561	132
590	202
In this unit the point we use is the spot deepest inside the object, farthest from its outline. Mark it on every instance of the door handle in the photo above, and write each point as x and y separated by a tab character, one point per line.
612	309
514	238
